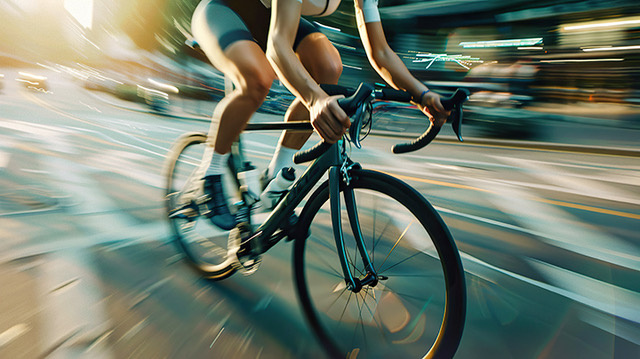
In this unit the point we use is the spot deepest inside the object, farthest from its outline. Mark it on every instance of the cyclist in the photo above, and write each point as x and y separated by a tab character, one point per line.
253	41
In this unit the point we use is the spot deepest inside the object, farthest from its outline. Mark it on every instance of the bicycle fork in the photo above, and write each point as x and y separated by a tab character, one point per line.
337	176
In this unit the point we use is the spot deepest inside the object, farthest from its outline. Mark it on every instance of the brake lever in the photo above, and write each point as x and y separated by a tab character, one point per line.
356	125
456	121
454	104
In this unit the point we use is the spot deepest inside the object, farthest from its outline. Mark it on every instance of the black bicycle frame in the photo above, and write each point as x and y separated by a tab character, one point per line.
334	161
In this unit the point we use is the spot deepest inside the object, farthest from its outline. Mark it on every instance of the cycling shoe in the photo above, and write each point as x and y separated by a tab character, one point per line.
215	203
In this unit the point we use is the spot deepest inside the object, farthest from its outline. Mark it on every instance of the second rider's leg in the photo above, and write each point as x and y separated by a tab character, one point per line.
322	61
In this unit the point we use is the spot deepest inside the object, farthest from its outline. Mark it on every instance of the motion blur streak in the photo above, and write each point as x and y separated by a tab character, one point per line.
542	198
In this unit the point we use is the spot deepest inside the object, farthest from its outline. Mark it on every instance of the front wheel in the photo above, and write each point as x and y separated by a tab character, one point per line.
417	309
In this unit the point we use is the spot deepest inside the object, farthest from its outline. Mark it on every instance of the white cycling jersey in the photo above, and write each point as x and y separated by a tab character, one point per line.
327	7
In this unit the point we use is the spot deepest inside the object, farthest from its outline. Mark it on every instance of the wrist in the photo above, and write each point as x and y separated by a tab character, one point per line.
418	99
315	96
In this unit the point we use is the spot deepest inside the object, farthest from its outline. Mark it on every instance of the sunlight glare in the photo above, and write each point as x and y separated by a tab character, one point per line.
81	10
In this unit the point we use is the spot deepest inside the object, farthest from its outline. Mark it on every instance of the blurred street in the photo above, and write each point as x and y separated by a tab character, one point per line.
542	197
548	238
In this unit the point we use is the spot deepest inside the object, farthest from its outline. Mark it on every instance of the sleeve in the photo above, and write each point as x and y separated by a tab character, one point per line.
370	11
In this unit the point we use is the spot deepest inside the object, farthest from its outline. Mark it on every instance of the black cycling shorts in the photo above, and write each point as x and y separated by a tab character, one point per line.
233	20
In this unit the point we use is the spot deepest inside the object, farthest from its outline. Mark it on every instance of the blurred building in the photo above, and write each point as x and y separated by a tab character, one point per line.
579	50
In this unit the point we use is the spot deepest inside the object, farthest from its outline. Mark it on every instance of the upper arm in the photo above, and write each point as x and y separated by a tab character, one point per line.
370	28
285	18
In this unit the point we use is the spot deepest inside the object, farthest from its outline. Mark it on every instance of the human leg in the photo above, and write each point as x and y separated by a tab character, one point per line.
224	38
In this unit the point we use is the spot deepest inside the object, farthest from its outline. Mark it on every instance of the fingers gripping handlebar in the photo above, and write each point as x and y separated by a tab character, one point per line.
353	107
452	103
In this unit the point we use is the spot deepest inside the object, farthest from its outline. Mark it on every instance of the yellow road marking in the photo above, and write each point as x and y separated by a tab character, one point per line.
589	208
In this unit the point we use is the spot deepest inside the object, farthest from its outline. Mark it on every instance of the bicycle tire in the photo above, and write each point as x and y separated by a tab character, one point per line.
381	309
205	247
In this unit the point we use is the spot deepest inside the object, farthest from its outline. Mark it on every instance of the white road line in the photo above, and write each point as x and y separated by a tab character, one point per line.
613	300
13	333
4	159
557	227
600	295
571	183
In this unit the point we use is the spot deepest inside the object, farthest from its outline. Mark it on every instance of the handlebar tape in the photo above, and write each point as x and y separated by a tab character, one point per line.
394	95
452	103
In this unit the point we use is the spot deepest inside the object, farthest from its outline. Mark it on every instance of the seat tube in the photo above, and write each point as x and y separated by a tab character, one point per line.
334	199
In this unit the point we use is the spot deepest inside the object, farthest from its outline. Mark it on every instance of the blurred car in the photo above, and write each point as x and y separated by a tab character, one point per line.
33	82
501	93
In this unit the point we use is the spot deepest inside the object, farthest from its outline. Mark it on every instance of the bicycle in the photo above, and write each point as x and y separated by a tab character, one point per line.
352	285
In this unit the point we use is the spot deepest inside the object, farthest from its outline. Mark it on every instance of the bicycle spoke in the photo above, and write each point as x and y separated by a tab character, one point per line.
361	322
404	295
353	262
384	230
345	308
344	290
397	241
402	261
373	317
336	272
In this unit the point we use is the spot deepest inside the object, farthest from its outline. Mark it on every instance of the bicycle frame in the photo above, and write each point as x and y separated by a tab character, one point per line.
336	162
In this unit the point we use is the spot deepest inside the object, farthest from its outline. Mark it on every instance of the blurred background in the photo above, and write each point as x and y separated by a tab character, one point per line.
556	57
542	199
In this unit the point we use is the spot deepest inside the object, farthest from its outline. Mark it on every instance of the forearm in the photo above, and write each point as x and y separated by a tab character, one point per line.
395	73
384	60
285	17
292	73
387	63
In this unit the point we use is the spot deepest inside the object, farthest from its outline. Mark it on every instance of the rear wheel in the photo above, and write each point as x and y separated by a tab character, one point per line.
208	248
417	309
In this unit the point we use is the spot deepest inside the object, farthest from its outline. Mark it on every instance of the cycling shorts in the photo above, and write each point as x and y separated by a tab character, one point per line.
232	20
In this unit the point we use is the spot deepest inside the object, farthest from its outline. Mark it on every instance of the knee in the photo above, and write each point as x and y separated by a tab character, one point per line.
328	72
256	84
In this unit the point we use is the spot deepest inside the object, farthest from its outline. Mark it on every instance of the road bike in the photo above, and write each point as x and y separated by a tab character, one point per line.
392	285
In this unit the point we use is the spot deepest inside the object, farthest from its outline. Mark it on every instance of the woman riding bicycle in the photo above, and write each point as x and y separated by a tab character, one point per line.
253	41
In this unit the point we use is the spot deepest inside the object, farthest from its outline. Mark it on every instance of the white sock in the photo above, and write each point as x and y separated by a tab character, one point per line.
218	164
282	157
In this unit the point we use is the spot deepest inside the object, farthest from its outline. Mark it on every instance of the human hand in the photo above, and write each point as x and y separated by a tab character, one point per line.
328	118
432	107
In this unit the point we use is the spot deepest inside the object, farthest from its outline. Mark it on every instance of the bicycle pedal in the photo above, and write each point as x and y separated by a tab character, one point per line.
250	266
246	262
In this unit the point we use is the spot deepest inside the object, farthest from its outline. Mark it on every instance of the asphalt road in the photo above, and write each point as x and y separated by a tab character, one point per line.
549	241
